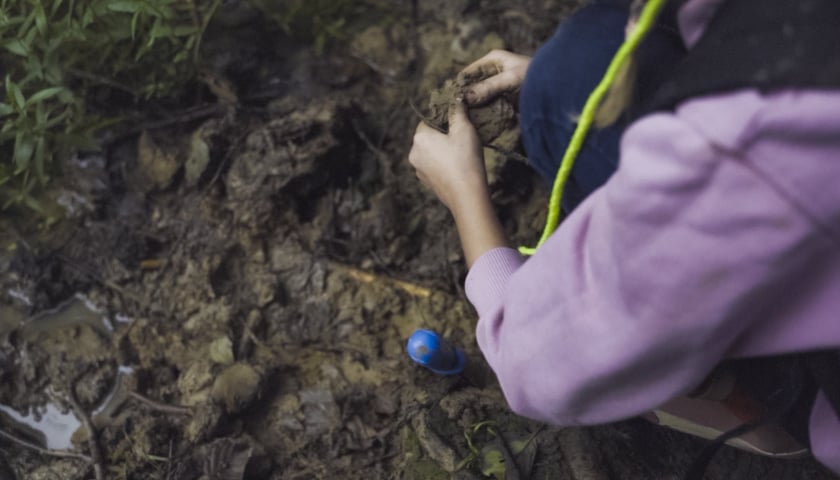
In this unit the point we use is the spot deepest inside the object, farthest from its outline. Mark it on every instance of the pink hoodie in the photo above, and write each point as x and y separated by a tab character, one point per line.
718	237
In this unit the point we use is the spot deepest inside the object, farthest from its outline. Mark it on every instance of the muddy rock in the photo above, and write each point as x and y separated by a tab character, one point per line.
203	422
211	318
287	163
237	387
450	47
93	387
321	412
157	162
234	459
474	41
435	447
388	50
195	382
221	351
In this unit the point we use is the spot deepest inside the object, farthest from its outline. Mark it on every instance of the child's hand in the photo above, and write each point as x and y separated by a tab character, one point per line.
452	164
505	72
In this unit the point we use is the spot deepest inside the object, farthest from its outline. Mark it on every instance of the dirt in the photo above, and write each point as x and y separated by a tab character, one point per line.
230	297
490	120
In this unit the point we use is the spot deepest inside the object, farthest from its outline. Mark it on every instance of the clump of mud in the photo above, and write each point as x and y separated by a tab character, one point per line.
491	120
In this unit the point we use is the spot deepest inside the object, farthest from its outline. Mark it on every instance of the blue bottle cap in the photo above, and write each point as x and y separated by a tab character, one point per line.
432	351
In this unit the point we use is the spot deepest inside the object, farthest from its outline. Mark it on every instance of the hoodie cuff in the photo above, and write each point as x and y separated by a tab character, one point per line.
487	279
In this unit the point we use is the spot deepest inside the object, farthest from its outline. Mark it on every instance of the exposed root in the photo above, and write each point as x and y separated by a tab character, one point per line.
96	457
368	277
44	451
160	407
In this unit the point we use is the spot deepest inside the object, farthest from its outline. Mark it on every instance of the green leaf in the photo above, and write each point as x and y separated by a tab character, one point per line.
24	146
40	114
493	462
32	203
4	174
40	161
40	18
181	56
26	25
88	17
17	47
14	94
153	34
134	19
5	109
159	31
125	6
184	30
44	94
56	4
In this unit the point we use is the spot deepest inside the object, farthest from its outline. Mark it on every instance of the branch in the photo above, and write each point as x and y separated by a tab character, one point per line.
93	441
44	451
161	407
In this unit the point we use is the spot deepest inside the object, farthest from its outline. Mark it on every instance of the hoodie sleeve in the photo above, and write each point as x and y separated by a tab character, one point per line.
644	288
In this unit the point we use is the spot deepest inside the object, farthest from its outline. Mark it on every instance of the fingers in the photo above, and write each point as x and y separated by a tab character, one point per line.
489	64
458	118
489	88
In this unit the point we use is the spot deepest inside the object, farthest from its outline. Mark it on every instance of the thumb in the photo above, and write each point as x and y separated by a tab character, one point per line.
458	118
488	88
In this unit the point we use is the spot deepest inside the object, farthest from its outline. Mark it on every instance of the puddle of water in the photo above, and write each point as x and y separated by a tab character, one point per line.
77	311
20	296
47	425
10	319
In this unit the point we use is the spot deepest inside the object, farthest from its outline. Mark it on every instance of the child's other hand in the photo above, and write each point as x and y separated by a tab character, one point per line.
505	72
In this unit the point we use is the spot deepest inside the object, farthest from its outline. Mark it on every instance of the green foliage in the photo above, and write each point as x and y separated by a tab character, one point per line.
55	51
323	21
56	54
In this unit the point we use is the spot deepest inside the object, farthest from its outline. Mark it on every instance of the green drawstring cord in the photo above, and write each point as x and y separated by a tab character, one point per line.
645	23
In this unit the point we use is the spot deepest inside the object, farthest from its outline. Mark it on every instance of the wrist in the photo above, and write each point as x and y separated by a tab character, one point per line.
469	196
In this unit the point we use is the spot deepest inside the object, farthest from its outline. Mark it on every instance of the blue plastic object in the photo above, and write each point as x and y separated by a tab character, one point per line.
432	351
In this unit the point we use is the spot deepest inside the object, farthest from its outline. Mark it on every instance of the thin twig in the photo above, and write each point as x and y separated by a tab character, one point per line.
203	27
223	163
93	441
380	154
508	153
45	451
161	407
102	80
188	115
425	119
370	277
169	461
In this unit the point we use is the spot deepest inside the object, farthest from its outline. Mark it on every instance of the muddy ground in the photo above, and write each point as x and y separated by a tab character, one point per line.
232	291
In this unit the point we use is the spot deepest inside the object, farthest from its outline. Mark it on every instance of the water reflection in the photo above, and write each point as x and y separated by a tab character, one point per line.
47	426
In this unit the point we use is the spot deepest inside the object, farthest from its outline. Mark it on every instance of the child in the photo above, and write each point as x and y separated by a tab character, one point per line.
708	223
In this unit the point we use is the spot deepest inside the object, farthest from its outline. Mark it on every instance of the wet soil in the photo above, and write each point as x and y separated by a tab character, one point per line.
230	296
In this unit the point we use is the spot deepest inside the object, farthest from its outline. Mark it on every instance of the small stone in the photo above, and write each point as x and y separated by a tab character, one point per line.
221	351
197	160
156	163
237	387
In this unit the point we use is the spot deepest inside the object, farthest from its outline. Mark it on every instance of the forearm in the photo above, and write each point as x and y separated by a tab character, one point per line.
478	226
